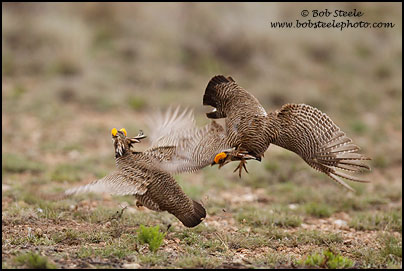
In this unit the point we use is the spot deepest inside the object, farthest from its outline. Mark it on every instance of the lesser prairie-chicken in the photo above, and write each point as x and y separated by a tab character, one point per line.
139	174
248	132
300	128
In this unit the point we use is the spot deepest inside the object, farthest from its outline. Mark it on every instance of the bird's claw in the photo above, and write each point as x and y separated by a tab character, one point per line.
241	166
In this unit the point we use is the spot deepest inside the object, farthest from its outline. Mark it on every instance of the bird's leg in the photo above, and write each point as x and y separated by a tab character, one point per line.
234	154
137	138
243	156
138	204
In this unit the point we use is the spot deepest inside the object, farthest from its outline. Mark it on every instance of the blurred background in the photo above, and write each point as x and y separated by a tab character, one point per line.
73	71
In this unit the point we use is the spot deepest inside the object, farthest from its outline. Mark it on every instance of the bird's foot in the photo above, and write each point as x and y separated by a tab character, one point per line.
136	139
241	166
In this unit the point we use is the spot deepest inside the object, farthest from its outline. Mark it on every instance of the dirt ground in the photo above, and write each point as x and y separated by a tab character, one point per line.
71	72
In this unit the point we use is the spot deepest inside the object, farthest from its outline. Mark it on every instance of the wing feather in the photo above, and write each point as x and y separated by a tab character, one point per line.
116	183
179	145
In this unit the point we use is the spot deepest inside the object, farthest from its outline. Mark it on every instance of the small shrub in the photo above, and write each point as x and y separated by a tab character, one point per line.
326	259
151	236
32	260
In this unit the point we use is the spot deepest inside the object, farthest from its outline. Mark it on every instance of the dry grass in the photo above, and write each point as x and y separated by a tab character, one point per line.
71	72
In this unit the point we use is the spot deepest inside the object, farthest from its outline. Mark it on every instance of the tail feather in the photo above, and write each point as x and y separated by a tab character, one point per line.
193	219
341	156
345	148
356	163
340	153
347	167
336	141
349	177
340	181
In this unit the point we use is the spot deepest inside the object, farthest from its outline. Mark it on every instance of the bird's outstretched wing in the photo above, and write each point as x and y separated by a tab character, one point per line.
116	183
179	145
311	134
229	99
171	128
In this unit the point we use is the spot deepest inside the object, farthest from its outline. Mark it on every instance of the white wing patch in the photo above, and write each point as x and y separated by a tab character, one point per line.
194	147
170	128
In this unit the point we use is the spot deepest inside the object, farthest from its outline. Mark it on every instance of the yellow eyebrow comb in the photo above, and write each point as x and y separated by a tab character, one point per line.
114	131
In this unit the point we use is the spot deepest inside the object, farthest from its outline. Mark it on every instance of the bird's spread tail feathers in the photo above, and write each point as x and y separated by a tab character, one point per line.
339	159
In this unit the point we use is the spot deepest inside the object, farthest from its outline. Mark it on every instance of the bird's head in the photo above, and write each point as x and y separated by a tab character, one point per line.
226	156
122	143
222	158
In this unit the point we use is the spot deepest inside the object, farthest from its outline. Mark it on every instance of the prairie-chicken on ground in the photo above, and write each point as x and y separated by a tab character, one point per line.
300	128
139	174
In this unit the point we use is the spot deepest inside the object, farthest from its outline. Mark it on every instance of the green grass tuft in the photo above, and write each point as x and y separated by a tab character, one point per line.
151	236
326	259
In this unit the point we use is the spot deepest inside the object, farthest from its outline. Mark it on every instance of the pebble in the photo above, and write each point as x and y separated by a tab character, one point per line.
247	198
340	223
292	206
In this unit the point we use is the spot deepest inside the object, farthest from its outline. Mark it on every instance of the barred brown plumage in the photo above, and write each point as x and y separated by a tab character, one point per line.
300	128
139	174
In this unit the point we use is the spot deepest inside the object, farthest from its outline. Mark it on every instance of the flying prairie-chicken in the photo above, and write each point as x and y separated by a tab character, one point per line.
139	174
300	128
248	132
